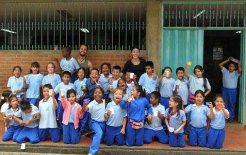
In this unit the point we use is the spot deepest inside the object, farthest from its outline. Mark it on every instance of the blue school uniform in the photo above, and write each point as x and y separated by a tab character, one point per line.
229	90
53	79
166	90
90	87
47	121
196	83
216	132
183	90
148	83
14	128
16	84
136	113
34	82
104	82
61	87
114	124
155	129
97	124
114	85
175	121
198	123
29	131
70	65
78	87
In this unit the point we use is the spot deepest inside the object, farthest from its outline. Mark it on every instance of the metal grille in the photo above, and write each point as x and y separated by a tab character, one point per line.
219	14
48	26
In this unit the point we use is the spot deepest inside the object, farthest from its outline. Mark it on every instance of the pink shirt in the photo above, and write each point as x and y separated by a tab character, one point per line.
67	110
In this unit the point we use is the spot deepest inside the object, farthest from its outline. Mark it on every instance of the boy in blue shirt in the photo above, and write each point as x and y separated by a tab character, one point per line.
230	80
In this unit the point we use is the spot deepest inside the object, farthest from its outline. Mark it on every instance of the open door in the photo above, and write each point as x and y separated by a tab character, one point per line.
180	46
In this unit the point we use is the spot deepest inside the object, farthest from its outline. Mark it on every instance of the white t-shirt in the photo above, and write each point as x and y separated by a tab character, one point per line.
4	107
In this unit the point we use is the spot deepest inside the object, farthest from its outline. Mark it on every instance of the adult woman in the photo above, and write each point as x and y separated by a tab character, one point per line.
136	65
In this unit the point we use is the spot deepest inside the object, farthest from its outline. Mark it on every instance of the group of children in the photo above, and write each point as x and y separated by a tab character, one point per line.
116	108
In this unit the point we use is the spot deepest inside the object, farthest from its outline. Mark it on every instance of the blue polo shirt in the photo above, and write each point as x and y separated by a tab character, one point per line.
117	116
176	120
219	119
148	83
230	79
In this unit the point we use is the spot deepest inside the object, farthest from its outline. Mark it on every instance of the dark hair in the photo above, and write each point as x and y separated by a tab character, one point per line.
11	97
200	92
66	73
35	64
68	48
167	67
99	89
81	68
199	67
19	67
218	96
140	90
180	69
156	95
49	86
25	105
71	91
135	47
5	96
95	70
150	64
233	63
86	45
179	100
107	64
116	67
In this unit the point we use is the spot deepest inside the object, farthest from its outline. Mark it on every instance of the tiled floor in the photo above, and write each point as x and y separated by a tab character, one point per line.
235	140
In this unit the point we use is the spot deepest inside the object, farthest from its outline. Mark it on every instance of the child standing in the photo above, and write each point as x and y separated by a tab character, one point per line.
52	78
197	82
175	122
166	86
104	78
114	80
155	129
136	105
72	114
230	80
181	86
33	82
198	119
116	120
62	89
13	127
47	122
16	83
97	109
30	116
80	85
216	132
149	80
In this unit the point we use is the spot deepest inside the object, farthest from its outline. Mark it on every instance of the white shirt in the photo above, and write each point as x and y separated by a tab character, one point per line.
4	107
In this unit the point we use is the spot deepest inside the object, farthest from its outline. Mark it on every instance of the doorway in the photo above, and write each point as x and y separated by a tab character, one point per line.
218	46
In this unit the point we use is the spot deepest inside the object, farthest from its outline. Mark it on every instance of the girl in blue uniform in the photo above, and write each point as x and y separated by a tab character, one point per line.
116	120
175	120
216	132
198	119
136	105
13	127
51	78
80	85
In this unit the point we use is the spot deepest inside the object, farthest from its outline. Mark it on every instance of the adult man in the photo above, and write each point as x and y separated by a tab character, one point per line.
81	59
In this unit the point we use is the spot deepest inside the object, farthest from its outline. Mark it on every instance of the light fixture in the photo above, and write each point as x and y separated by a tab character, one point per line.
85	30
199	14
6	30
239	32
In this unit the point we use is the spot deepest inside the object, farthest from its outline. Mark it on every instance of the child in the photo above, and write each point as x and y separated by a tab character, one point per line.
104	78
175	120
30	116
52	78
230	80
33	82
80	85
198	119
72	114
16	83
97	109
116	120
181	86
123	86
62	89
155	129
4	100
92	82
216	132
197	82
13	127
114	80
136	105
149	80
166	86
47	122
68	63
